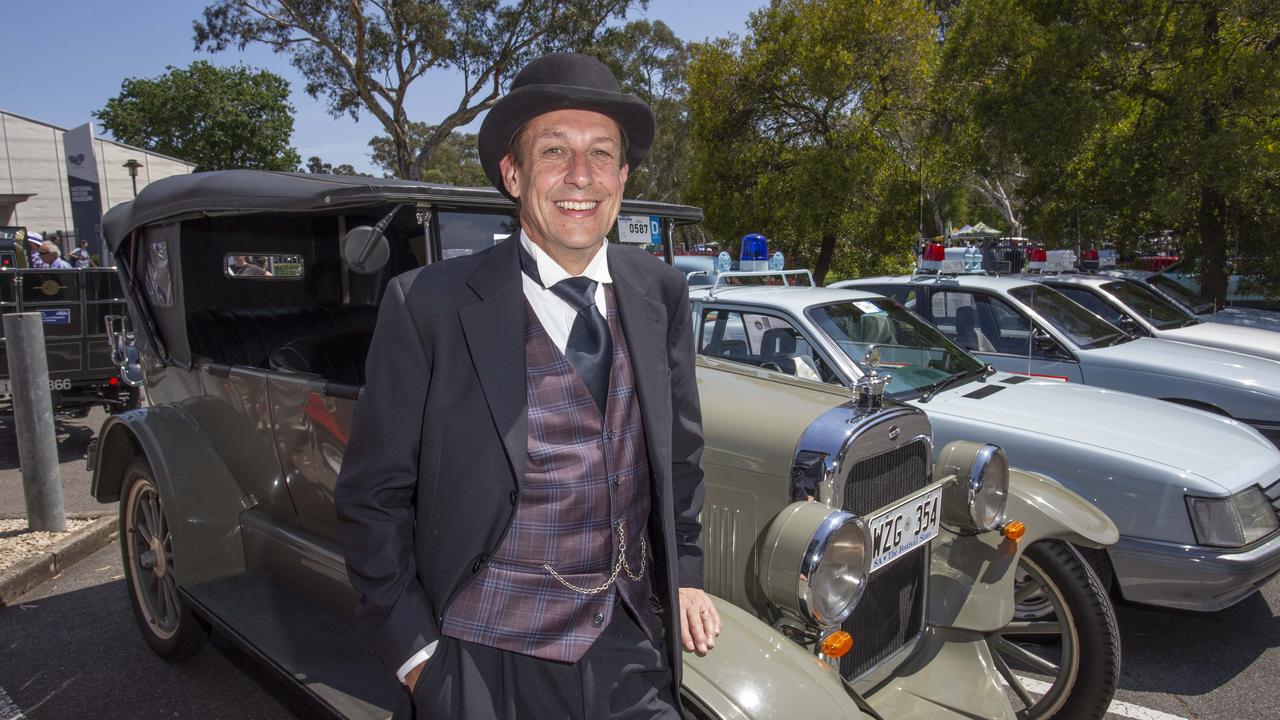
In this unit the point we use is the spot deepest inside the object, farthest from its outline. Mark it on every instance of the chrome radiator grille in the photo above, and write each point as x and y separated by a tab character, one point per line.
891	611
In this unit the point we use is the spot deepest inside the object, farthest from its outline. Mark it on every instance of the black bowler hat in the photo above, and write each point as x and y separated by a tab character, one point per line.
563	81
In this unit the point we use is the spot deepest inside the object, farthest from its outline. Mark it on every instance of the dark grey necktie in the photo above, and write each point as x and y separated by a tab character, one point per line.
590	346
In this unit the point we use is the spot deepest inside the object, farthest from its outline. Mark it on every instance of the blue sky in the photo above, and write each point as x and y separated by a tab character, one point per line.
63	59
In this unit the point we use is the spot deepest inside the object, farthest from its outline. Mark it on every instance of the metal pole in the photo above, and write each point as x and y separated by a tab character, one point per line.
33	416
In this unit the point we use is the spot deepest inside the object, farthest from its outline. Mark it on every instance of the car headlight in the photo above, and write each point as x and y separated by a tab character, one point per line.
976	501
814	562
1232	521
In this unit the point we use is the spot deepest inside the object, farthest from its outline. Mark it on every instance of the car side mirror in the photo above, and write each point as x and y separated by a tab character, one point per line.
365	247
1043	343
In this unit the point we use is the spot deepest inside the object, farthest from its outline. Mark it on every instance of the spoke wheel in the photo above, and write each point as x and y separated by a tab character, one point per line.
146	549
1060	656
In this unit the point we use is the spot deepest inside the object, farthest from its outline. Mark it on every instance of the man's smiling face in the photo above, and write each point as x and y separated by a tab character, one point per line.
569	180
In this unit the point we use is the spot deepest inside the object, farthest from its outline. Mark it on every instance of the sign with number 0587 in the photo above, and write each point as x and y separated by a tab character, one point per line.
640	229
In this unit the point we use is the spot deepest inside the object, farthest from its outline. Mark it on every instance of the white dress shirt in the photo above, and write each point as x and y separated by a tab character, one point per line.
557	318
553	312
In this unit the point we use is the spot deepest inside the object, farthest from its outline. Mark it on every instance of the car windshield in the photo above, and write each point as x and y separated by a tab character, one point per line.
1198	303
1082	328
911	350
1158	311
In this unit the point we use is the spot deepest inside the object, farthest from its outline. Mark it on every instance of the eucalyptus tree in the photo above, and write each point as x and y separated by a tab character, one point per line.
797	127
364	56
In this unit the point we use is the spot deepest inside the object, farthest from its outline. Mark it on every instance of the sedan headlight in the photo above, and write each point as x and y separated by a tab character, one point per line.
1232	521
814	562
976	501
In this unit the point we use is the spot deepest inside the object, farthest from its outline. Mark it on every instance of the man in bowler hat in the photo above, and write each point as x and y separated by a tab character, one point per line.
519	499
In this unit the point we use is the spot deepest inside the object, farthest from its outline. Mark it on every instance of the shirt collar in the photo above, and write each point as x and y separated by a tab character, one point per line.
551	272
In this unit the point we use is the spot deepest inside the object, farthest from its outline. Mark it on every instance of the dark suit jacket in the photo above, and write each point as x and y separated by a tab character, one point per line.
438	444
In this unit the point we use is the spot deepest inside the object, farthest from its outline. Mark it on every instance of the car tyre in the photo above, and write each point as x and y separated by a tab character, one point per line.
1060	656
146	549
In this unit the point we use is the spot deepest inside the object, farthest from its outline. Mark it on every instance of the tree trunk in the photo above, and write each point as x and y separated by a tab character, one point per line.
825	252
1212	215
1213	244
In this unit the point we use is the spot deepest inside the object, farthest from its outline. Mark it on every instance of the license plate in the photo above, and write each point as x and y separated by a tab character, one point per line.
904	527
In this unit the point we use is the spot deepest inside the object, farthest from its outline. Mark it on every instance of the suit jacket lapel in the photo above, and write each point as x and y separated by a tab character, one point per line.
494	329
644	324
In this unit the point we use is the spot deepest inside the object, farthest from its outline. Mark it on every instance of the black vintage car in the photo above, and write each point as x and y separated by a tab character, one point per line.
75	306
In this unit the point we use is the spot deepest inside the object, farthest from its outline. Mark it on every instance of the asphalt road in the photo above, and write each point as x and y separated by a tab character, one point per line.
70	649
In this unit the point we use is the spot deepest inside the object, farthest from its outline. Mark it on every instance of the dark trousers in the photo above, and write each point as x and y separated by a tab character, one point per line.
623	676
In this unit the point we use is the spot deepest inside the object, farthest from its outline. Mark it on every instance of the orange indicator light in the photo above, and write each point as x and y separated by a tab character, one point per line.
837	644
1014	530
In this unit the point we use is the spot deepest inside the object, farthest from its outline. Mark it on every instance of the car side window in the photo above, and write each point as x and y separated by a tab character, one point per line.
906	296
979	322
761	340
1092	303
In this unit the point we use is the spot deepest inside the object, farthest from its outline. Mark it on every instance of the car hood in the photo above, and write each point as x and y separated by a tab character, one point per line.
1251	340
1176	359
1248	317
1216	448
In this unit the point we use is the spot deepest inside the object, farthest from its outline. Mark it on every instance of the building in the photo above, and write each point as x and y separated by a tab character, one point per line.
34	191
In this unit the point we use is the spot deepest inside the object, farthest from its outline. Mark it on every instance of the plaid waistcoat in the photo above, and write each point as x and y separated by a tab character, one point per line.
585	494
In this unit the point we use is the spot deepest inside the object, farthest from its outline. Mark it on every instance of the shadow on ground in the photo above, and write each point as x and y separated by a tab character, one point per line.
1189	653
78	654
72	436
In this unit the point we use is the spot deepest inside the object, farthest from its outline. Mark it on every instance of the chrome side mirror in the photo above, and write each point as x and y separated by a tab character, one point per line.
124	353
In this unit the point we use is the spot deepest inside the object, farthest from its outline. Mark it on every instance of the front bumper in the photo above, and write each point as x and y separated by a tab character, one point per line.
1192	577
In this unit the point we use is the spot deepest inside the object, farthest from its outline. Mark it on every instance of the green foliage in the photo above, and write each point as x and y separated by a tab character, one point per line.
365	56
1132	117
216	118
455	160
800	130
316	165
650	61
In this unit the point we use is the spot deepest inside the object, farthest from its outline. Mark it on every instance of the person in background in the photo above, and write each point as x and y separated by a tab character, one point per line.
50	257
80	256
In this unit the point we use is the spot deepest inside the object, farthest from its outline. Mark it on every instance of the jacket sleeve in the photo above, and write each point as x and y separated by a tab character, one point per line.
686	440
376	491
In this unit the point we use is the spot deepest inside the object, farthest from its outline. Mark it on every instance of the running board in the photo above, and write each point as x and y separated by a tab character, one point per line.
321	654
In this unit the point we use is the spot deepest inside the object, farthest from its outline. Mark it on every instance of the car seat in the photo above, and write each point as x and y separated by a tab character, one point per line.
876	329
968	336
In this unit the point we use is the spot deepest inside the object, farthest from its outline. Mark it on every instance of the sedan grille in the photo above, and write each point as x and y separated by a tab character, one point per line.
891	612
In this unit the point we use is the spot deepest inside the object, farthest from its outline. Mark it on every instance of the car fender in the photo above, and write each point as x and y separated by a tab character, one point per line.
971	576
202	499
754	671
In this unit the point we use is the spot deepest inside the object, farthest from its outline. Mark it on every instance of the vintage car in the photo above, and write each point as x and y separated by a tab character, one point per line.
857	577
74	306
1024	327
1205	309
1149	465
1139	310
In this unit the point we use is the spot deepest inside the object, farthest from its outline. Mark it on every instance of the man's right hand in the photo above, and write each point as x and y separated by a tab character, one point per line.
411	677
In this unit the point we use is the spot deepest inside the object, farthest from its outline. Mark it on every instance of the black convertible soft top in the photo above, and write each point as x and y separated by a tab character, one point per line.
237	192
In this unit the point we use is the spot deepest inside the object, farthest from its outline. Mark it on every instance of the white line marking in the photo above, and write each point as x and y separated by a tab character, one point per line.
9	709
1123	709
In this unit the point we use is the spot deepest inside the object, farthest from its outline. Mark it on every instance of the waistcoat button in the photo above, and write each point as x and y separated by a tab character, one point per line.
598	619
478	564
610	435
615	479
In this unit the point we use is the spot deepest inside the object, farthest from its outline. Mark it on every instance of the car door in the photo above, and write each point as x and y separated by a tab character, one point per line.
999	333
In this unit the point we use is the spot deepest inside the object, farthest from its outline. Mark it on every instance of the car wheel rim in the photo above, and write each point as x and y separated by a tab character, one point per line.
1038	654
150	555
